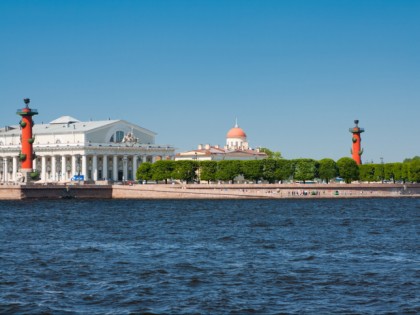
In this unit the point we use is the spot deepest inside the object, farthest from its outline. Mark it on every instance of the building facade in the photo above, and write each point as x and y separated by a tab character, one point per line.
67	148
236	148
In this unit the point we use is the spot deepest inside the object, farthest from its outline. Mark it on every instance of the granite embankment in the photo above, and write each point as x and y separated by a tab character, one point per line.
264	191
55	191
205	191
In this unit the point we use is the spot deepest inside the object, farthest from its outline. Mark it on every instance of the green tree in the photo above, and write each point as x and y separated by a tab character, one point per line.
284	170
367	172
252	170
414	171
397	171
379	172
305	169
185	170
389	171
411	159
348	169
405	171
327	169
162	170
227	170
271	154
208	170
269	167
144	171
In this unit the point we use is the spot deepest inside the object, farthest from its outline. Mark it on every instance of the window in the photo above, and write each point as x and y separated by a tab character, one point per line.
119	136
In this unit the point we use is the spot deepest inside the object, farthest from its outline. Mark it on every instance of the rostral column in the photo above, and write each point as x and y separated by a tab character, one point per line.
357	150
26	155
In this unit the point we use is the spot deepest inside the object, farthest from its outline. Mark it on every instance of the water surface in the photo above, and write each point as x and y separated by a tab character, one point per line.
210	257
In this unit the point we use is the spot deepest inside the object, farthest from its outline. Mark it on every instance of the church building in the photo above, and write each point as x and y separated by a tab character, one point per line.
236	148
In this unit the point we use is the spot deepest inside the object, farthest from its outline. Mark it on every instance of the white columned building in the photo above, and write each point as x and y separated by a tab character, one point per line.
67	149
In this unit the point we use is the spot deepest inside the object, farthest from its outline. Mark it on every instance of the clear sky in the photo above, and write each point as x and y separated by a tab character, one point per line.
295	73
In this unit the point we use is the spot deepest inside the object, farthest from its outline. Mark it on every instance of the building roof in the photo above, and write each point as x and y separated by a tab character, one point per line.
66	124
64	120
236	132
212	150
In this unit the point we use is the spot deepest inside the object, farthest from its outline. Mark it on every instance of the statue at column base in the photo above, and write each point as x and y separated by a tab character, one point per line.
20	178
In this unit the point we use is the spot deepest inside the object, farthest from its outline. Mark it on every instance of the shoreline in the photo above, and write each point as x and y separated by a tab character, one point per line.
208	191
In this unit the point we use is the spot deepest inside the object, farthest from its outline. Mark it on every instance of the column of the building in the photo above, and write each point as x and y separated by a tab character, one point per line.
115	168
95	167
43	168
14	167
84	166
54	167
73	165
34	164
135	157
125	167
63	168
105	167
5	170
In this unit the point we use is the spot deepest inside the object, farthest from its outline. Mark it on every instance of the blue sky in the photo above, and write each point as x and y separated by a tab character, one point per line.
295	73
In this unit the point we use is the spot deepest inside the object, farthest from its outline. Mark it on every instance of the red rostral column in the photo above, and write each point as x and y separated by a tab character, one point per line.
26	155
356	150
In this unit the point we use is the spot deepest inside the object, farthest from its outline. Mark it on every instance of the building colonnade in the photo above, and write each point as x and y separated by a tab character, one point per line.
63	167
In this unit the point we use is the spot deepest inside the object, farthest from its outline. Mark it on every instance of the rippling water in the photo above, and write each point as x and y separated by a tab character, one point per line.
210	257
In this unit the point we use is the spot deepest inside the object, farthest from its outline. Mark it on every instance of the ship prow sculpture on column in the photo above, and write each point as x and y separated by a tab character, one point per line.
26	154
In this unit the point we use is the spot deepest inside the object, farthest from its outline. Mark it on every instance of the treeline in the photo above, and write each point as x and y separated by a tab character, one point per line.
278	170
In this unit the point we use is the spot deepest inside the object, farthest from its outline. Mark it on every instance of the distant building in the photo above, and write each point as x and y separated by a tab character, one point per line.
65	147
236	148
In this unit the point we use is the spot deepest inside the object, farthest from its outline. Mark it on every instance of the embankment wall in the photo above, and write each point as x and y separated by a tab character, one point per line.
50	191
264	191
204	191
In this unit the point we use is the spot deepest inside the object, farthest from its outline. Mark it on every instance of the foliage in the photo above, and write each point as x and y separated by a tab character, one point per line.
327	169
414	171
227	170
252	170
405	172
271	154
379	172
348	169
162	170
269	167
305	169
389	172
185	170
284	170
367	172
411	159
144	172
208	170
397	171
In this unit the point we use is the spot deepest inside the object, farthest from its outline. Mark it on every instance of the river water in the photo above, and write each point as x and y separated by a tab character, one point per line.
358	256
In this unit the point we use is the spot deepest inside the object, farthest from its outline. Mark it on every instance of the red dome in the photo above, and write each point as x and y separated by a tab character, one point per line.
236	132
